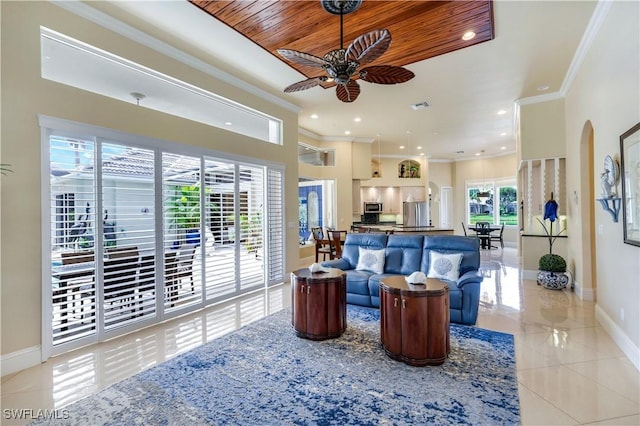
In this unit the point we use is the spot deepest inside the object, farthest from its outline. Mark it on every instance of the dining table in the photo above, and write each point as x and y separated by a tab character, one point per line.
484	233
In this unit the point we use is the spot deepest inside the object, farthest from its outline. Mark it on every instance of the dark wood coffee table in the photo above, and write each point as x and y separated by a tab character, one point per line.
414	320
319	303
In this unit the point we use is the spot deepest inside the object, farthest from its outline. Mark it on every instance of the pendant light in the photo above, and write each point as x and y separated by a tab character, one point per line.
378	173
483	194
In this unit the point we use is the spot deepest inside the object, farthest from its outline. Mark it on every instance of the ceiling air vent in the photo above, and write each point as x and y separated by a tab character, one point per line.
420	105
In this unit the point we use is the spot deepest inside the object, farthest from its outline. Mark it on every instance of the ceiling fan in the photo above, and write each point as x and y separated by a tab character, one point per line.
342	64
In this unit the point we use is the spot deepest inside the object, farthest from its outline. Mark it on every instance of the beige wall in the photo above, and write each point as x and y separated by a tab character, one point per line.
605	96
341	173
25	95
542	130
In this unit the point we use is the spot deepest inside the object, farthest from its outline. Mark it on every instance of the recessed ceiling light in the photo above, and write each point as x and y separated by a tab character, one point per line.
401	146
422	153
469	35
503	134
347	132
542	88
477	154
228	123
418	147
314	116
502	112
503	147
357	119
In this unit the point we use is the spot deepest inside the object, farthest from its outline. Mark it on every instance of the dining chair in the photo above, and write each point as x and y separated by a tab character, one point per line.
499	237
464	229
483	229
120	252
146	281
83	287
170	276
185	257
335	237
321	248
120	281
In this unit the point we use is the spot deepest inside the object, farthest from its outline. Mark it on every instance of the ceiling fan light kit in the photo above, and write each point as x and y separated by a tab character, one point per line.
341	65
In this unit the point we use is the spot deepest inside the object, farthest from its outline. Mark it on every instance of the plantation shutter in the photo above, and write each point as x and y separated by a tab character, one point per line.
72	185
182	230
251	213
128	229
220	259
275	226
123	215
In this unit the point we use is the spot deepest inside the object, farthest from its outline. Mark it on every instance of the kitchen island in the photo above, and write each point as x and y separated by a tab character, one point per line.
397	229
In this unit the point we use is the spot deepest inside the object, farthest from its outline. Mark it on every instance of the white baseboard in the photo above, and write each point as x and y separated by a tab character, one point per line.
529	275
622	340
19	360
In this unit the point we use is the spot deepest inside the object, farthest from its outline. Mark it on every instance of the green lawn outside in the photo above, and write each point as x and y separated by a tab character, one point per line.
506	219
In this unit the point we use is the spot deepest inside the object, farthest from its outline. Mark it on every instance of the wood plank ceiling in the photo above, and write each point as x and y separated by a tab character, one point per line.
419	29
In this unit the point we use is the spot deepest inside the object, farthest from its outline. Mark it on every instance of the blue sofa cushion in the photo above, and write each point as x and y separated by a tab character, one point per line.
404	253
353	242
468	246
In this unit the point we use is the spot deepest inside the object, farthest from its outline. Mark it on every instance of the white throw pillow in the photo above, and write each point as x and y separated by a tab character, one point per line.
370	260
444	266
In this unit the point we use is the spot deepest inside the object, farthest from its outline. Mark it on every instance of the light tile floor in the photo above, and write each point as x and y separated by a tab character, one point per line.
569	370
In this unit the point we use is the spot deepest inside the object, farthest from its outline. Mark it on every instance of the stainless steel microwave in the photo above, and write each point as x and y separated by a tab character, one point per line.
372	207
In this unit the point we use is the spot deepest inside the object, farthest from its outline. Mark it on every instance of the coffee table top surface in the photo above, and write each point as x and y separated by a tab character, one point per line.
398	284
305	273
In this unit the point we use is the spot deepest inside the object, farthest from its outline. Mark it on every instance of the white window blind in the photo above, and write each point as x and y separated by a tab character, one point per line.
275	225
138	233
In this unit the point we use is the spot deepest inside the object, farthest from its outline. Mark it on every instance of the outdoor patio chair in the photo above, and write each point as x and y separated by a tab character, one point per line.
185	257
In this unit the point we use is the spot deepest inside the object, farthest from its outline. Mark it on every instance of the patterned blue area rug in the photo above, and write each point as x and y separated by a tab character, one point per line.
263	374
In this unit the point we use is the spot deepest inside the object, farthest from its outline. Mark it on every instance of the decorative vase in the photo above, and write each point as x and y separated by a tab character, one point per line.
193	236
553	280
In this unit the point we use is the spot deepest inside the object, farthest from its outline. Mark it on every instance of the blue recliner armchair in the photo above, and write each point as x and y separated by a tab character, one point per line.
405	254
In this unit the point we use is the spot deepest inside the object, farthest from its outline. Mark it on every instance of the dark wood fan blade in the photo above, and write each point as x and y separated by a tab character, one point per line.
348	92
369	47
302	58
305	84
386	74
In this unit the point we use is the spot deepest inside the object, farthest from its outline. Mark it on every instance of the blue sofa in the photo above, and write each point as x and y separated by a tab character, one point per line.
405	254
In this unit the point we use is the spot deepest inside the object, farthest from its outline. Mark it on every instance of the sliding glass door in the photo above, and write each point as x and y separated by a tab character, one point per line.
139	234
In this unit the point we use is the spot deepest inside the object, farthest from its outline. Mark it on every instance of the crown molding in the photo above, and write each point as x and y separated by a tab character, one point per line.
100	18
592	30
593	27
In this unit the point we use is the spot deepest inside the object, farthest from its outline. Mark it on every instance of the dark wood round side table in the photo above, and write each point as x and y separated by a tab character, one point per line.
319	303
414	320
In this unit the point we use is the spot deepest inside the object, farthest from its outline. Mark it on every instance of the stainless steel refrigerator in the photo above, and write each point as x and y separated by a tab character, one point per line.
415	213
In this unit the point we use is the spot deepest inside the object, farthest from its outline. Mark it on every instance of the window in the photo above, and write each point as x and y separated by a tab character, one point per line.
316	206
482	205
74	63
138	233
316	156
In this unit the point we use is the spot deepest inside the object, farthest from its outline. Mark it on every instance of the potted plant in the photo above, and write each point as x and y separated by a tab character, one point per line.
185	213
552	266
